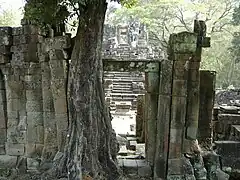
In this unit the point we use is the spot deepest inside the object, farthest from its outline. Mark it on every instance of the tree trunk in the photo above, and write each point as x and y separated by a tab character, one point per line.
87	150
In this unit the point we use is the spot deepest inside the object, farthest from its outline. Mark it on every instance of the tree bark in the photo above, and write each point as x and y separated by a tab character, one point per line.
87	151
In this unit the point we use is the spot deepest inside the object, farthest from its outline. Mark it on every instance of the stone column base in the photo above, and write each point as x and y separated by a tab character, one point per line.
180	169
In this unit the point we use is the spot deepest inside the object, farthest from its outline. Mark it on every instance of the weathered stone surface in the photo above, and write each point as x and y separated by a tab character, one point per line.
207	92
32	163
6	40
34	150
5	30
2	149
35	117
35	134
14	135
15	149
8	161
27	39
3	136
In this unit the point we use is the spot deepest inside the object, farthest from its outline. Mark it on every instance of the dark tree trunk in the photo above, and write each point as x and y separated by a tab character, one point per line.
88	145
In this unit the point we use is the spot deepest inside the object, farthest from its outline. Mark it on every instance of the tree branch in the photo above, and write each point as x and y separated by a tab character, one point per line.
181	19
227	10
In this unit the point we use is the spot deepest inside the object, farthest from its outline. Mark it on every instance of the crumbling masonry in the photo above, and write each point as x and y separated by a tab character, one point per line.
34	118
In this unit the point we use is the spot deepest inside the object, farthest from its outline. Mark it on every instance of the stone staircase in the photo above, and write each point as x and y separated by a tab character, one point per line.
226	128
123	87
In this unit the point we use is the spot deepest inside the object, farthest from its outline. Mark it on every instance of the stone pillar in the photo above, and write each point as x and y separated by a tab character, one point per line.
182	46
3	115
58	86
35	128
5	55
207	96
50	128
163	119
140	118
16	131
151	106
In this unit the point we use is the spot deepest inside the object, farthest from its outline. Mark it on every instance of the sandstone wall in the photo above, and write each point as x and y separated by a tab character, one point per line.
33	109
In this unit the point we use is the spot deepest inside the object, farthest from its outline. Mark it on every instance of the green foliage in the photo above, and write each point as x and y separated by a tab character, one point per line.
164	17
236	16
46	12
128	3
7	18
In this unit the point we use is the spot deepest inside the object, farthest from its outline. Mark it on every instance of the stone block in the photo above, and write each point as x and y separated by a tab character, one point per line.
30	85
34	150
180	166
130	166
33	163
21	48
12	114
4	59
49	120
35	134
7	161
22	57
179	88
61	138
145	171
3	120
27	39
35	118
2	149
180	73
33	95
58	85
2	95
3	136
48	105
60	42
34	106
62	121
17	31
10	94
178	112
16	86
12	122
5	31
57	72
15	149
60	106
34	78
22	125
5	50
13	104
6	40
50	136
120	162
15	136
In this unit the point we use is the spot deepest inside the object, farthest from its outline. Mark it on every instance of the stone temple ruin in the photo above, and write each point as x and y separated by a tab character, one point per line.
174	134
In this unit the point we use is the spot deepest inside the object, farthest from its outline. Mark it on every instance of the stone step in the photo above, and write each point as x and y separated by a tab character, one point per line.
225	148
124	91
135	166
124	74
118	80
229	152
122	88
235	132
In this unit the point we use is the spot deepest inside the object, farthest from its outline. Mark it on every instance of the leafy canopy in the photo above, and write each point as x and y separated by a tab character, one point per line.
54	12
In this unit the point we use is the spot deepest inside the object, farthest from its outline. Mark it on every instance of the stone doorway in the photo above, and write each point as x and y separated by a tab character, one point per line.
121	91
